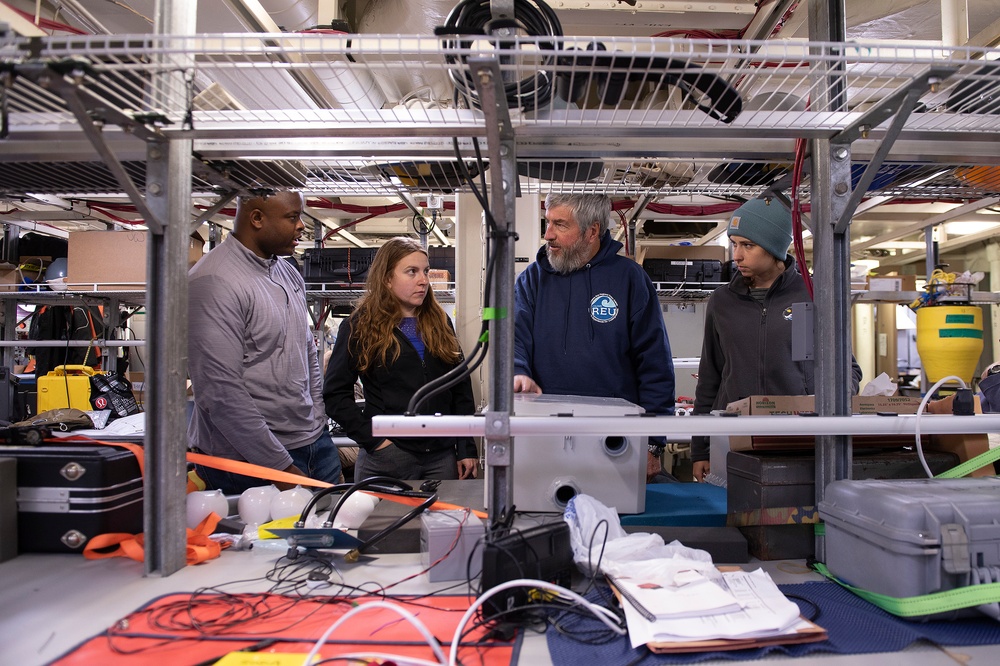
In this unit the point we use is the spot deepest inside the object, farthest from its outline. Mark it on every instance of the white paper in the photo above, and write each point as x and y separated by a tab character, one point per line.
699	597
127	426
766	612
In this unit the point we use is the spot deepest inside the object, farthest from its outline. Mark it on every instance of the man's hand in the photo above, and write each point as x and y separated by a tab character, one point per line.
467	468
699	470
525	384
291	469
653	466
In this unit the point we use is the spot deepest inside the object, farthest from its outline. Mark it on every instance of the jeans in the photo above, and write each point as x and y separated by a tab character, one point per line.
398	464
318	461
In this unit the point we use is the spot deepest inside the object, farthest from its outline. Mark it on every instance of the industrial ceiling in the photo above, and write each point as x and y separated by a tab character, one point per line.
261	115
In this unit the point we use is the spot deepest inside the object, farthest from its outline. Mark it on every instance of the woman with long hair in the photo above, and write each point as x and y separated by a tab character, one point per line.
397	339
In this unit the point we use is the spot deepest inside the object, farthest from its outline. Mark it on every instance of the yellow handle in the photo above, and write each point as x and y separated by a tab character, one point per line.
67	369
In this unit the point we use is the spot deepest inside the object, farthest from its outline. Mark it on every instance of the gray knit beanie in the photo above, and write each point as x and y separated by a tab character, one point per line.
766	223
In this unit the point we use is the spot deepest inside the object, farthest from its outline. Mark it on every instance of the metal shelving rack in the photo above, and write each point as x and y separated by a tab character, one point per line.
132	114
36	294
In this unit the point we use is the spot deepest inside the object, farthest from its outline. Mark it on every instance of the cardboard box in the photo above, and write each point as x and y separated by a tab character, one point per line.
710	252
964	445
138	382
9	279
113	260
796	404
873	404
439	277
892	283
10	275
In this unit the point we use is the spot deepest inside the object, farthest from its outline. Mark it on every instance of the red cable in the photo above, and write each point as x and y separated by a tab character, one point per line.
46	24
800	251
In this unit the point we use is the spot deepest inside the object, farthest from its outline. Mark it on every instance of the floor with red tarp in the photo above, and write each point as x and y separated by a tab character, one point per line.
203	627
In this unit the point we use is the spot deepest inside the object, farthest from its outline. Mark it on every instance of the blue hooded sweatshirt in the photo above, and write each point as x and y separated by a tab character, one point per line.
597	331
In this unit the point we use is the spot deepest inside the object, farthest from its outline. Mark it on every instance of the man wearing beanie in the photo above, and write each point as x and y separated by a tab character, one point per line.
747	349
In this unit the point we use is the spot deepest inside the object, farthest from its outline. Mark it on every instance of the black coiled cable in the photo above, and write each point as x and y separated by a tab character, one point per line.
533	17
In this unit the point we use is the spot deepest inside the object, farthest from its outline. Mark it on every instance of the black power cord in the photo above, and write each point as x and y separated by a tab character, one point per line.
382	484
474	17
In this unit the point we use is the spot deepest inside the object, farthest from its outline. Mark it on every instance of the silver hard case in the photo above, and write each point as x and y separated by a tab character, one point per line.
905	538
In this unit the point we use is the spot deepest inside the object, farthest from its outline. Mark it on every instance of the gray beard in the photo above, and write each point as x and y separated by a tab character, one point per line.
570	259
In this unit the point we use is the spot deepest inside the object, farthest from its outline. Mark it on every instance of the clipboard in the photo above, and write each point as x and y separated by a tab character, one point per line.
811	633
806	632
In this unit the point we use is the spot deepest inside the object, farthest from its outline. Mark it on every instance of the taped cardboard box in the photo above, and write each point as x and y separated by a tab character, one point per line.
892	282
439	278
798	404
113	260
30	270
965	445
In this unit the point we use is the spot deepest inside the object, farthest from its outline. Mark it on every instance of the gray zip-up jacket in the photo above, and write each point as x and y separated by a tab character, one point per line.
747	349
257	387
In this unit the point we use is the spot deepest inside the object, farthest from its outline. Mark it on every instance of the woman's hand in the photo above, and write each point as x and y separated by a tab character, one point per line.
699	470
467	468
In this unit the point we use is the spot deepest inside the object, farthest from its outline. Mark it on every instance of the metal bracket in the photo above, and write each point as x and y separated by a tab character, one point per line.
497	438
637	209
224	199
899	105
67	86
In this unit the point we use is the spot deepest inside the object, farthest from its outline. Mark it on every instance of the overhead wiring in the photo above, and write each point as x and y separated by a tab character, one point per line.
471	18
478	354
797	226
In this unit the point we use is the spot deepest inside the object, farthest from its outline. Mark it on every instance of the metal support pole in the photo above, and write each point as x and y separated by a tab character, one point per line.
168	189
831	189
500	141
633	220
9	332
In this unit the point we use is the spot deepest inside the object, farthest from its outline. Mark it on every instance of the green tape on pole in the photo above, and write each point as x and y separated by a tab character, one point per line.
819	529
960	333
959	319
494	313
926	604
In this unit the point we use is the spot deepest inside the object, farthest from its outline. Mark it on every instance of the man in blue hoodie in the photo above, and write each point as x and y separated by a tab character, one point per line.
586	320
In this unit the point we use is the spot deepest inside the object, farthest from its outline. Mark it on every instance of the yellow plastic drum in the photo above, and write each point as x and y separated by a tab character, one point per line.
949	340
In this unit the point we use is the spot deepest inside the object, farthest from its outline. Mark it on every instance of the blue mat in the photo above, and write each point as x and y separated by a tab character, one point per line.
832	607
682	505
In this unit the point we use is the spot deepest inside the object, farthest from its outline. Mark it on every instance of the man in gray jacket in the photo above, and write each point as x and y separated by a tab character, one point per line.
258	392
747	349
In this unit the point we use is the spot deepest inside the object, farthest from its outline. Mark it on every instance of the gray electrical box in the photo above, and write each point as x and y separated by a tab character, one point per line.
452	537
802	332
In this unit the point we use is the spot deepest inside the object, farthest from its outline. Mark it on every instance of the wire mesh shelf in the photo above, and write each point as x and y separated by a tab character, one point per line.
369	115
409	81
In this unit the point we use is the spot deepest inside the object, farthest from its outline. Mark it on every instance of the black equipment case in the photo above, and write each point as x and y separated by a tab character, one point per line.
67	495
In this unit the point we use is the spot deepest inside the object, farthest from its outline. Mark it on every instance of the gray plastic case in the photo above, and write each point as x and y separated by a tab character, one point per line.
548	470
906	538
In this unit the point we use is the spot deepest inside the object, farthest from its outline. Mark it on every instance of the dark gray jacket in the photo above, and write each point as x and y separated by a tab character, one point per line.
747	349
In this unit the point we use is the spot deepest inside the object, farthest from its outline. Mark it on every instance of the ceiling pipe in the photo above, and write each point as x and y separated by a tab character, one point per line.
338	84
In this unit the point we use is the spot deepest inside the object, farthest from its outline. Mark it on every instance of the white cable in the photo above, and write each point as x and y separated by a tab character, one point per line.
602	614
405	614
920	411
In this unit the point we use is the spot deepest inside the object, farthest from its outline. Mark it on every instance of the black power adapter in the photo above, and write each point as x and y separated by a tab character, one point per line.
963	404
542	553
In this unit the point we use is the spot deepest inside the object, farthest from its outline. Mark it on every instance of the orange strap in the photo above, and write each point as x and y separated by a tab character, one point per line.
136	449
200	548
249	469
268	474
